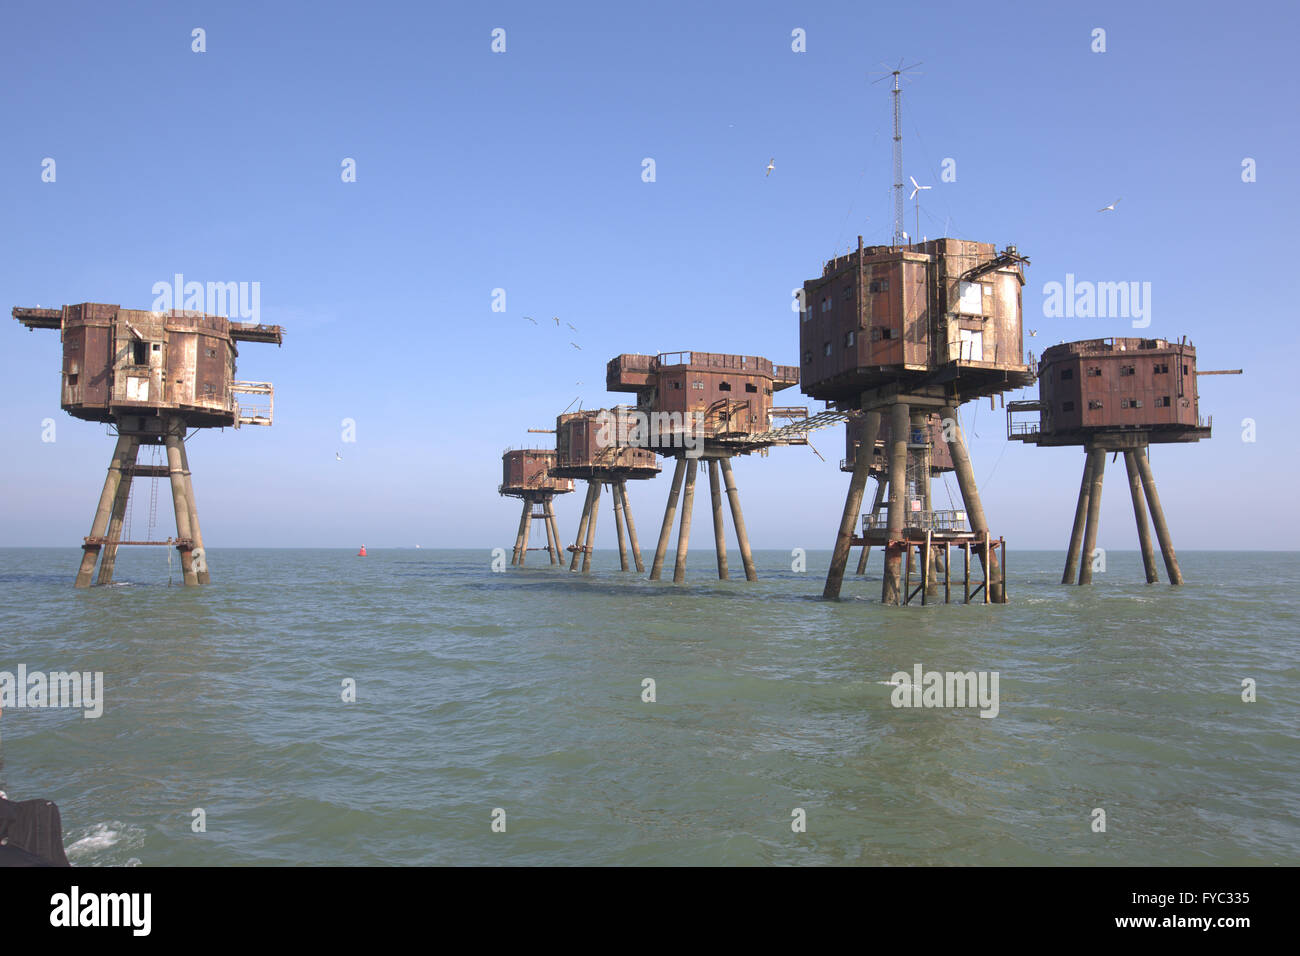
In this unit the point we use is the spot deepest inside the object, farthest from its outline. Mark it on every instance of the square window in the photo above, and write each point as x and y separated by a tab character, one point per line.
1162	402
848	293
848	337
751	388
1094	371
1094	404
1126	370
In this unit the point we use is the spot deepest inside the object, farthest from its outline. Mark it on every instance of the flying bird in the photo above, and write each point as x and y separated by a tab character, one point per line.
576	346
531	319
771	165
1111	207
556	318
1032	332
572	326
338	457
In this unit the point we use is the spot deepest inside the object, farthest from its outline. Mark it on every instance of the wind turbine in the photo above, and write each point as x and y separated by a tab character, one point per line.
916	188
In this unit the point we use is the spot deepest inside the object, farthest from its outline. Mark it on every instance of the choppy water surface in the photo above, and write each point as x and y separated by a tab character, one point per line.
522	691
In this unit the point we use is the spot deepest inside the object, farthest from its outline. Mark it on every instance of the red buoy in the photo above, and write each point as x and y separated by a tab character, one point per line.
362	552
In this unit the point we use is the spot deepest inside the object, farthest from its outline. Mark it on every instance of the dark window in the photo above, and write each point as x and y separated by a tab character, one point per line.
1094	371
677	385
1161	369
1094	404
1067	406
724	386
1135	403
72	380
157	347
753	389
879	285
140	352
848	292
848	338
826	346
212	353
1126	370
207	389
875	334
807	358
1184	369
1067	374
1162	402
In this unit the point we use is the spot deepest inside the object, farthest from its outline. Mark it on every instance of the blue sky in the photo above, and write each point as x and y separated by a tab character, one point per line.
522	170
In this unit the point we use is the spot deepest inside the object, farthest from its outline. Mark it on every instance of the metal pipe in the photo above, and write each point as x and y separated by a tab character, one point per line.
1158	519
1140	516
684	532
899	423
1080	515
970	497
738	520
1098	457
670	512
719	529
849	518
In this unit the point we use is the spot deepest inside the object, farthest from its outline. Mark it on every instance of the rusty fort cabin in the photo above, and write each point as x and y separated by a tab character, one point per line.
1115	396
907	332
588	446
154	377
526	474
707	406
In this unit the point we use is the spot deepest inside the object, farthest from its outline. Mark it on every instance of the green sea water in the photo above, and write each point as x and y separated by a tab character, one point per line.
521	691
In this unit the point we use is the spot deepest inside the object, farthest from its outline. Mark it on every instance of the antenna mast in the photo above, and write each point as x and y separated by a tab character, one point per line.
898	146
898	161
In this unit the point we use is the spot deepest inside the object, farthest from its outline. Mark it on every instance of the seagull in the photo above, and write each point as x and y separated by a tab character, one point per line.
572	326
918	188
531	319
771	165
338	457
576	346
556	318
1111	207
1032	332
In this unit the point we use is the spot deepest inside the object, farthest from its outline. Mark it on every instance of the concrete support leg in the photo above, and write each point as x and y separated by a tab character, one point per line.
1158	518
875	509
719	529
200	554
591	527
614	493
551	551
738	520
900	426
175	439
528	530
970	497
1080	515
631	527
120	500
1140	516
851	515
1098	469
578	542
684	532
104	512
670	512
555	532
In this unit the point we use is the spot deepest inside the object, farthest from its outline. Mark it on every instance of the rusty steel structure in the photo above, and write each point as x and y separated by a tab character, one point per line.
1115	396
526	473
928	458
588	447
155	377
904	333
705	407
